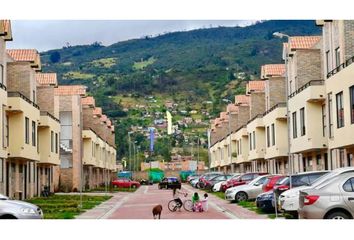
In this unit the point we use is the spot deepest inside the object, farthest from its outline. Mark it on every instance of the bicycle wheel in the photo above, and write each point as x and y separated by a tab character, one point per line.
188	205
172	206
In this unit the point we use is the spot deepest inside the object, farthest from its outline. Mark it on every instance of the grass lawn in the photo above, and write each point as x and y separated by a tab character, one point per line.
251	205
143	64
77	75
102	189
219	194
66	206
104	62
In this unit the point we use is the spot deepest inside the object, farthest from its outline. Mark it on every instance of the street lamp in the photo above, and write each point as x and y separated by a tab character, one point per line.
282	35
130	152
230	149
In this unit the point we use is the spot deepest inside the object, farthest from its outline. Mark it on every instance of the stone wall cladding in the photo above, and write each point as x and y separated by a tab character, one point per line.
257	103
348	38
277	91
18	78
308	66
45	99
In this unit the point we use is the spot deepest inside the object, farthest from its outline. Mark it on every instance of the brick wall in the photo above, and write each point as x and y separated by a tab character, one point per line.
308	66
348	38
257	103
243	116
275	91
19	78
45	99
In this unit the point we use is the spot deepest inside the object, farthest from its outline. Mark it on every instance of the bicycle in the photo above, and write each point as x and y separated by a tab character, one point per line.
173	205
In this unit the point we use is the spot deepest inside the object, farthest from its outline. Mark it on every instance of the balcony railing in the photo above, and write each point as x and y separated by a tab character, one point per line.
302	88
45	113
257	116
18	94
2	86
274	107
341	67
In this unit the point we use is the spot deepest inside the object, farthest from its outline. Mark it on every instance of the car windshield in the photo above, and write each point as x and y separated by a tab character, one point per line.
283	181
259	180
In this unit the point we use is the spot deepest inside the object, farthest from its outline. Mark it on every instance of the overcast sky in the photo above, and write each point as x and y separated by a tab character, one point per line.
45	35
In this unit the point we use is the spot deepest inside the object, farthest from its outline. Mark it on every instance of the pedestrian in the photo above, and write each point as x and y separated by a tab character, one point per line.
205	202
195	201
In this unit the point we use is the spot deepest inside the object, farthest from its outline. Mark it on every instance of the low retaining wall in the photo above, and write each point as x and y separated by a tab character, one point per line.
169	173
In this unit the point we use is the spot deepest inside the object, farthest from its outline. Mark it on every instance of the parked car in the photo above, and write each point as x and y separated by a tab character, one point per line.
289	200
240	180
191	177
125	183
210	182
297	180
217	186
194	182
14	209
204	178
332	199
270	182
265	201
146	182
170	182
246	191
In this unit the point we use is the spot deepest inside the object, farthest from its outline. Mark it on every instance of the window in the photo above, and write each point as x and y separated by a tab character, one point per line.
34	133
1	74
330	118
340	110
1	170
273	134
348	186
34	96
328	62
337	56
250	139
324	120
294	125
351	93
268	138
318	159
51	141
302	122
254	140
56	143
26	130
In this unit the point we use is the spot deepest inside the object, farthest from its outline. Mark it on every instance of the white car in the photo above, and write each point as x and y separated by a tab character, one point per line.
217	186
289	200
247	191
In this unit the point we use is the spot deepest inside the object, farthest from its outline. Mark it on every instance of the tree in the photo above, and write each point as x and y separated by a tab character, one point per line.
55	57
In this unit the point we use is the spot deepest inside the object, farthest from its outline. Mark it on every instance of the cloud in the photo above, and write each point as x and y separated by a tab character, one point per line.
50	34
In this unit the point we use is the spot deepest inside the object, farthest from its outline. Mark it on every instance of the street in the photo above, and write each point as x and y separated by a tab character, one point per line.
138	205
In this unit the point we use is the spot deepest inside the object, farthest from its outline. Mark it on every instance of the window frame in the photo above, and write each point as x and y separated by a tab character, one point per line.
268	136
340	110
328	64
302	122
27	130
51	141
351	98
34	133
273	134
330	116
337	56
294	124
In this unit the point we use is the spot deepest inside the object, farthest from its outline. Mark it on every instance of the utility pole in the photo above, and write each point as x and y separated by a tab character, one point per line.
198	152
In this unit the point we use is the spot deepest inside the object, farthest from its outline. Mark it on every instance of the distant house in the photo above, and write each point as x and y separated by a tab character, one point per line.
193	112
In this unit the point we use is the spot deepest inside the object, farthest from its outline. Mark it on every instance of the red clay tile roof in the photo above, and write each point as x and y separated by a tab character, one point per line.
242	99
5	26
112	129
23	55
109	123
97	111
256	86
224	116
70	90
88	101
269	70
217	121
304	42
232	108
46	79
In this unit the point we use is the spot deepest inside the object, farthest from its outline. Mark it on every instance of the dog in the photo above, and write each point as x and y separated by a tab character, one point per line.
156	211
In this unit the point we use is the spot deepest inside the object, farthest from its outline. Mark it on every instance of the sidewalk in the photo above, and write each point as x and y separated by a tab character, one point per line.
233	210
104	209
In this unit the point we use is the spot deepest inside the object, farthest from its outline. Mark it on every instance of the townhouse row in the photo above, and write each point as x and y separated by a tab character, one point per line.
52	137
299	116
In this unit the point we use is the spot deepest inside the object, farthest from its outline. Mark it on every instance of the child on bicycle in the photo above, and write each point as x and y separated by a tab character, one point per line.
176	197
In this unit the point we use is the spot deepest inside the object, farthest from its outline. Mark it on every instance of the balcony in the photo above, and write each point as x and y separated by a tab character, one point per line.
341	67
277	112
17	102
313	91
48	120
256	121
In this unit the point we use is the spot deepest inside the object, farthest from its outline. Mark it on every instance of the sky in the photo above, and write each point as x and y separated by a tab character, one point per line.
51	34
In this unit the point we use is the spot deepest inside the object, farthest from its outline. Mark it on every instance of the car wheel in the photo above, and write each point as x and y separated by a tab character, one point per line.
133	186
338	215
241	196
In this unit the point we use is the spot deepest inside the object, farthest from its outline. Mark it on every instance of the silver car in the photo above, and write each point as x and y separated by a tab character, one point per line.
14	209
332	199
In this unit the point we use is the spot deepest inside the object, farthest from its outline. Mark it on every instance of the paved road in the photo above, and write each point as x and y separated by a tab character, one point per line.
138	205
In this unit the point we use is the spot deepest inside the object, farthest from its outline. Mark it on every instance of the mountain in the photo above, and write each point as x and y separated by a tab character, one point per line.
188	68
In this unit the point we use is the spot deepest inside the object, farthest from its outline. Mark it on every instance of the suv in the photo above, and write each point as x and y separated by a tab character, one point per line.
240	180
170	182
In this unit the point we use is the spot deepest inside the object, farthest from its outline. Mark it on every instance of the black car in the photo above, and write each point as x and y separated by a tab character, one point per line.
265	201
170	182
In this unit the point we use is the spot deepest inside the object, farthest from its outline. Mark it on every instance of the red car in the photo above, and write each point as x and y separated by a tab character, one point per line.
270	182
125	183
240	180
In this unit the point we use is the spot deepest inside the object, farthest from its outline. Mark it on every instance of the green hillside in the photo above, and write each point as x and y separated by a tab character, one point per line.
188	68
